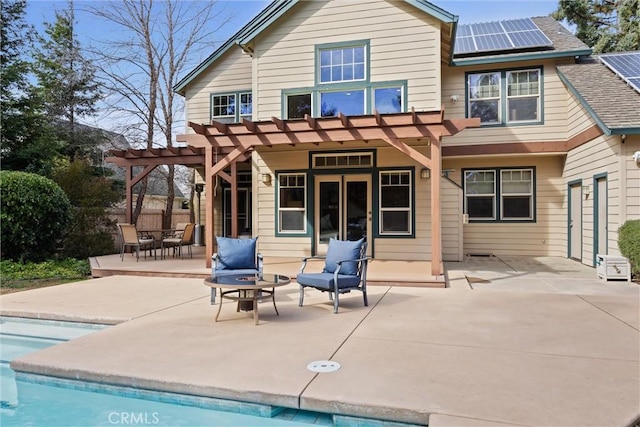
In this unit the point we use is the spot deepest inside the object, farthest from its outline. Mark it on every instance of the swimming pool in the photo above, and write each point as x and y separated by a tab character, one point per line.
27	399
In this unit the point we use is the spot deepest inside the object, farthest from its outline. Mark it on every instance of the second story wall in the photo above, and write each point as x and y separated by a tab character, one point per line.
553	119
231	73
402	46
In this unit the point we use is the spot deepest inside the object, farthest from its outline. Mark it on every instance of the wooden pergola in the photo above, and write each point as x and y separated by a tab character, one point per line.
233	143
148	160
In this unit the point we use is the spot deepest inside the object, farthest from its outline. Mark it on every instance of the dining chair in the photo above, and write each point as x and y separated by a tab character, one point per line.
178	241
131	238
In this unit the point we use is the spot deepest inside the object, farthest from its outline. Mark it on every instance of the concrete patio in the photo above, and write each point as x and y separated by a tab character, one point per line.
550	354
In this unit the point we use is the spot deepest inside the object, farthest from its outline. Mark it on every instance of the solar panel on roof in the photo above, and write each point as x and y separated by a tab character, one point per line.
501	35
626	65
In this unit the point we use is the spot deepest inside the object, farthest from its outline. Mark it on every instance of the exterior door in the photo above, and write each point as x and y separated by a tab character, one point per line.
575	221
342	209
601	222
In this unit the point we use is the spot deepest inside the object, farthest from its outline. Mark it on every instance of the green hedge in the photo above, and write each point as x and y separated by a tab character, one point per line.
629	244
34	215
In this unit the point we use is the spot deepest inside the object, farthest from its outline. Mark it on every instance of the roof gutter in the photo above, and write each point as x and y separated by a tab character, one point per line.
520	57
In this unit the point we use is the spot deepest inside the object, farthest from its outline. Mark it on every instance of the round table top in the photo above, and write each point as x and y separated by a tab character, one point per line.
248	281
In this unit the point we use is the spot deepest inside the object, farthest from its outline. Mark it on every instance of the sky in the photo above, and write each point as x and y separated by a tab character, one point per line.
241	11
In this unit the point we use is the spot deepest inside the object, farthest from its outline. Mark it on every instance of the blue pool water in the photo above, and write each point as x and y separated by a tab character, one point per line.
33	400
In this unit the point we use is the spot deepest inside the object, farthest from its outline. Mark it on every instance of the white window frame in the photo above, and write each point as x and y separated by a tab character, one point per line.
528	194
408	208
343	65
236	117
499	194
519	89
504	97
493	195
482	98
302	209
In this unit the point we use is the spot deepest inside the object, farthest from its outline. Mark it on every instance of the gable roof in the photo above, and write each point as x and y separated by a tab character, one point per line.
271	14
565	44
611	102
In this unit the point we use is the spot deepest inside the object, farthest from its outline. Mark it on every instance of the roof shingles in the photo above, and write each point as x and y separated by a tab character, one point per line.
615	104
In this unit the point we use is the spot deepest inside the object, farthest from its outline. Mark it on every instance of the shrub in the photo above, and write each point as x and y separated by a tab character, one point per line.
629	244
34	215
90	233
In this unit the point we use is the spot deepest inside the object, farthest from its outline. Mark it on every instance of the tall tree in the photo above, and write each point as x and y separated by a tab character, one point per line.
67	84
154	49
27	143
604	25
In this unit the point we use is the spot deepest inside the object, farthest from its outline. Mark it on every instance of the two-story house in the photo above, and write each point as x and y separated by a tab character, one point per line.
386	119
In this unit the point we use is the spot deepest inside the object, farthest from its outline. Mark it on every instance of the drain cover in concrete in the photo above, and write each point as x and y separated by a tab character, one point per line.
323	366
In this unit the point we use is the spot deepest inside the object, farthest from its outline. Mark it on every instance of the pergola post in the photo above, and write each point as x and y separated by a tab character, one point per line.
209	215
436	211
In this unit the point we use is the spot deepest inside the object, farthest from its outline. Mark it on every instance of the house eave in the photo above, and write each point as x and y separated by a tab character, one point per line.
529	56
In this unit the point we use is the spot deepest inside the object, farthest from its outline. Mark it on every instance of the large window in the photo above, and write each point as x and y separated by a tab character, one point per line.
342	85
500	97
292	203
349	103
499	194
231	107
395	203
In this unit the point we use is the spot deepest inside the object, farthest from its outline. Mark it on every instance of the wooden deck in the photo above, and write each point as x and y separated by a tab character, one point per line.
399	273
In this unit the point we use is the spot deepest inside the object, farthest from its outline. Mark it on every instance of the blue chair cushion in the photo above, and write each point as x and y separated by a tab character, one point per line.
325	280
235	254
340	250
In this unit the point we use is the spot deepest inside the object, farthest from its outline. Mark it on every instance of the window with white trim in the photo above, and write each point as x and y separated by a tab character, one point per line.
292	210
505	97
499	194
342	64
395	202
516	193
231	107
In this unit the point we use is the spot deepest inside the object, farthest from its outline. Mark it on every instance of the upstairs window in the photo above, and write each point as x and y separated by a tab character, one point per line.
342	64
231	107
505	97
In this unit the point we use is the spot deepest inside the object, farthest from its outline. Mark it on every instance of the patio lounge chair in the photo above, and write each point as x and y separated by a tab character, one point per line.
345	270
235	256
131	238
178	240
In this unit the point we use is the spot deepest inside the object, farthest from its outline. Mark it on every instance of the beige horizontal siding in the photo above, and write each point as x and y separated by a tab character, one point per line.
451	202
545	237
231	72
578	117
555	108
285	55
632	171
601	155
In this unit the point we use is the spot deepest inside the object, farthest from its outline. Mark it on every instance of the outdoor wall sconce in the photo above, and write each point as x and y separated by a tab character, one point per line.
586	190
454	98
425	173
266	178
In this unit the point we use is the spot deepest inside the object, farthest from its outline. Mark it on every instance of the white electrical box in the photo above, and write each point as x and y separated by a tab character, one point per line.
609	267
